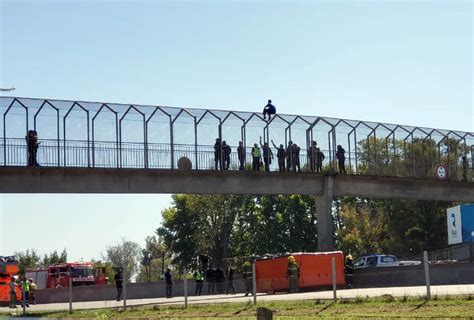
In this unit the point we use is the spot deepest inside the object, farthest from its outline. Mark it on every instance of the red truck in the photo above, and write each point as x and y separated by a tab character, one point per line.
57	275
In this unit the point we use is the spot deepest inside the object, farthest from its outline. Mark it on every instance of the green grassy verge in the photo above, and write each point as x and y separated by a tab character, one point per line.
376	308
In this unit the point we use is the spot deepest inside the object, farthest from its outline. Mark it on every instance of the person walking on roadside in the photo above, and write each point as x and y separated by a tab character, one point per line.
33	288
226	150
267	155
118	278
241	155
247	275
218	154
12	285
256	155
25	288
169	283
230	280
349	270
199	277
281	156
341	159
293	274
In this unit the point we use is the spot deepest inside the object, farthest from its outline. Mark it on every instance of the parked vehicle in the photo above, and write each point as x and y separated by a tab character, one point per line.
8	268
315	271
382	260
376	261
57	275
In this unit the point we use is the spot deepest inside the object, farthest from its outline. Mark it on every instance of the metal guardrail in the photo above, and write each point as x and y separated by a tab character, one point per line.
92	134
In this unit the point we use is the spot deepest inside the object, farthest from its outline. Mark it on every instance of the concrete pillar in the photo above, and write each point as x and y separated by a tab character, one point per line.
324	214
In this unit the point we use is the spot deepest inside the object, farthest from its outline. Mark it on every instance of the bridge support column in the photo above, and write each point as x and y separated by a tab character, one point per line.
323	205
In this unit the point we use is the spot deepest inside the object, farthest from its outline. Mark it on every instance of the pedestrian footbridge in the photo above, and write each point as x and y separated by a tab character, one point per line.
98	147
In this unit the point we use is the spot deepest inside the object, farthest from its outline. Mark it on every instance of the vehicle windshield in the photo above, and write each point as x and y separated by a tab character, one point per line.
81	272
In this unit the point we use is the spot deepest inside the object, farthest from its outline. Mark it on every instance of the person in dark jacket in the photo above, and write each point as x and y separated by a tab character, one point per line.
241	155
289	156
218	154
226	150
281	156
269	109
312	156
211	280
32	147
118	278
169	283
319	160
341	159
267	155
296	158
220	279
230	281
349	270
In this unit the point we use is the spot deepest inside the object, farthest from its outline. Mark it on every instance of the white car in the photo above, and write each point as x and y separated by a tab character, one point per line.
376	261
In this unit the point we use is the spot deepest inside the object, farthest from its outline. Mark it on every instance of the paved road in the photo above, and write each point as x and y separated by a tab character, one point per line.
347	293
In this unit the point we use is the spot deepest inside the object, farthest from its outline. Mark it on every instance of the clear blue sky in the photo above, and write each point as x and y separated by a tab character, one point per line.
404	62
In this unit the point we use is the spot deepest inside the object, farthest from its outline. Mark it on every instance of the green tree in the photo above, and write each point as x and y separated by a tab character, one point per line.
126	256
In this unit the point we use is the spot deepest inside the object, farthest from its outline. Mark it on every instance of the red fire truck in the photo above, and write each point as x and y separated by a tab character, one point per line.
58	275
8	268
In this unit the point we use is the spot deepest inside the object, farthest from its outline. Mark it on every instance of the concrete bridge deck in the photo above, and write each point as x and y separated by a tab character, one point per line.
97	180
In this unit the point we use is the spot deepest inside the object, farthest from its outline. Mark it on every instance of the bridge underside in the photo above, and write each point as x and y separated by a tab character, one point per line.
324	188
95	180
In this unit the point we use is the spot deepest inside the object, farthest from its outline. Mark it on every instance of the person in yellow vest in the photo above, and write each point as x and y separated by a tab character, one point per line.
25	287
293	274
256	154
199	276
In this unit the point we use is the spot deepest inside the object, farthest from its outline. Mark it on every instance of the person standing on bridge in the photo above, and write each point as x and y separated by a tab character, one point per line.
256	157
267	155
464	168
226	150
312	156
341	159
241	154
289	156
296	157
319	160
281	156
218	154
32	147
269	109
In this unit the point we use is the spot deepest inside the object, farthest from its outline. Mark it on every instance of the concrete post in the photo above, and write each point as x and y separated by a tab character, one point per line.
324	215
254	283
185	283
334	286
427	275
70	292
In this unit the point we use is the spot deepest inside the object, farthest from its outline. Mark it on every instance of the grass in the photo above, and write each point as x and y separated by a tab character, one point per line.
361	307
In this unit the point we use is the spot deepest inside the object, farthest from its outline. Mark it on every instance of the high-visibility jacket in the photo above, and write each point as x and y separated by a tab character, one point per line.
199	276
26	286
293	270
256	152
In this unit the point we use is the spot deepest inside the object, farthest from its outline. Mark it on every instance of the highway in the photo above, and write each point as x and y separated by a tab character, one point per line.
324	295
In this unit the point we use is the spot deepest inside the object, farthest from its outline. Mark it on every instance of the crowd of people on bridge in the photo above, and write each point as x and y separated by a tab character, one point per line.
262	156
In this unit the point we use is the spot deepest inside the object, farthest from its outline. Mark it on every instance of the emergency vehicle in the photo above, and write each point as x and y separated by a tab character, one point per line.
8	268
58	275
